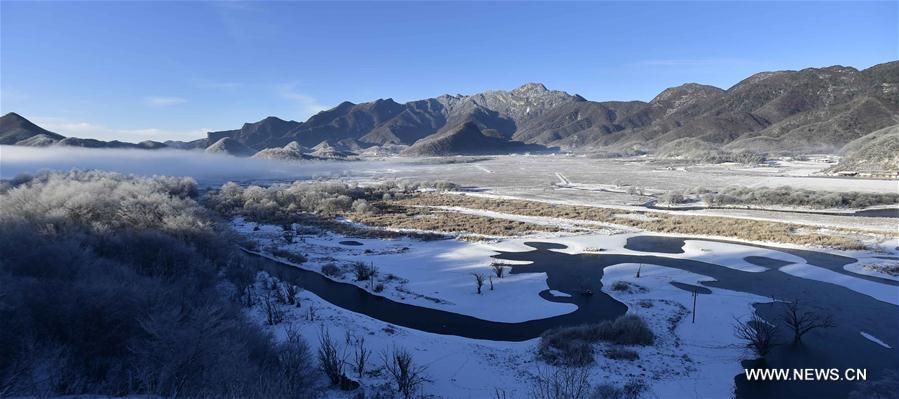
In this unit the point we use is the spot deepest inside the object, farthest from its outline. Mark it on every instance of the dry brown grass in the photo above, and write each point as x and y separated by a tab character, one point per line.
397	216
400	213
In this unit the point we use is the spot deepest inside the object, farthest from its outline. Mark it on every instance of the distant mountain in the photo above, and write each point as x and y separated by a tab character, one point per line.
198	144
40	140
230	146
263	134
94	143
326	150
876	153
467	139
293	151
14	129
811	110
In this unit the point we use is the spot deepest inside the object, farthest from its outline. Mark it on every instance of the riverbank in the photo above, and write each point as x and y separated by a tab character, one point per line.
437	275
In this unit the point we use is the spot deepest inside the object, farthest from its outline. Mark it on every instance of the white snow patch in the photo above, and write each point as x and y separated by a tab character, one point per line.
714	352
732	255
461	367
481	167
433	274
859	267
640	217
878	291
875	340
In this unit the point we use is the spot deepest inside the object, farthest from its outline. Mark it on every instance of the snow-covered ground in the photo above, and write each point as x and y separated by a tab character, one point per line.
707	347
868	266
698	359
585	181
689	360
433	274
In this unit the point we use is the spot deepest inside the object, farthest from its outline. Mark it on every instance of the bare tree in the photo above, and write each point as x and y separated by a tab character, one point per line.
407	376
758	334
499	269
330	359
292	292
479	280
273	312
249	295
804	321
561	383
278	294
293	357
360	356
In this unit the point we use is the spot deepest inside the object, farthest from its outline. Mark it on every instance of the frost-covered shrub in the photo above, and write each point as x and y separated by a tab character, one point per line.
407	376
561	383
630	390
672	198
620	286
277	203
364	271
332	270
362	206
625	330
573	346
115	285
559	351
619	353
290	256
789	196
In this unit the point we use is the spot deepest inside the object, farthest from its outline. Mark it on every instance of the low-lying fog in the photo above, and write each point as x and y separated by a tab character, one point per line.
207	169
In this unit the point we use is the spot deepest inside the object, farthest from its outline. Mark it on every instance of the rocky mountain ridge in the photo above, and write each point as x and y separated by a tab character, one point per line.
810	110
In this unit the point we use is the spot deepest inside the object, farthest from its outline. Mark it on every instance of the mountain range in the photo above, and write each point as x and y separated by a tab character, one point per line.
814	110
16	130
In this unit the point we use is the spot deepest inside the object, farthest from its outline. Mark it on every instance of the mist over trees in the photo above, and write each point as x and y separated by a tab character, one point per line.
121	285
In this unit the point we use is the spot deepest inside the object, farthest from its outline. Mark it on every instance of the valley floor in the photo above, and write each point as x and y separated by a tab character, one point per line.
578	180
689	359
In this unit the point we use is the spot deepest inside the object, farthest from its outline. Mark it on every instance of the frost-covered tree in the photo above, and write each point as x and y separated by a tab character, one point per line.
129	287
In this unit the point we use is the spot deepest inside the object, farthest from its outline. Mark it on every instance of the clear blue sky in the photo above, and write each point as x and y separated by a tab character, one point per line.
173	70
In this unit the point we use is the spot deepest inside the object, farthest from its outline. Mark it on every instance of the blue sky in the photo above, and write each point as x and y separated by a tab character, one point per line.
151	70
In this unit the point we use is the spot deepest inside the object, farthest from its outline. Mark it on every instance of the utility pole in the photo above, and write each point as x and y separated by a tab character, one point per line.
694	305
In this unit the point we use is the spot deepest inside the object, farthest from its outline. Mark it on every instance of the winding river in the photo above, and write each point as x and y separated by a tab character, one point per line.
841	347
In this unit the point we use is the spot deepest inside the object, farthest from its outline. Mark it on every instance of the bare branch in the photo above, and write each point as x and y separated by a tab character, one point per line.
801	322
758	334
479	280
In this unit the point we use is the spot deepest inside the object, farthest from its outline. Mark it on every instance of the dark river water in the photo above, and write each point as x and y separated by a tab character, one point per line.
840	347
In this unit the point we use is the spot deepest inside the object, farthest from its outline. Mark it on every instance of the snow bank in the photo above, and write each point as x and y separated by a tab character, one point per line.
714	353
880	292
